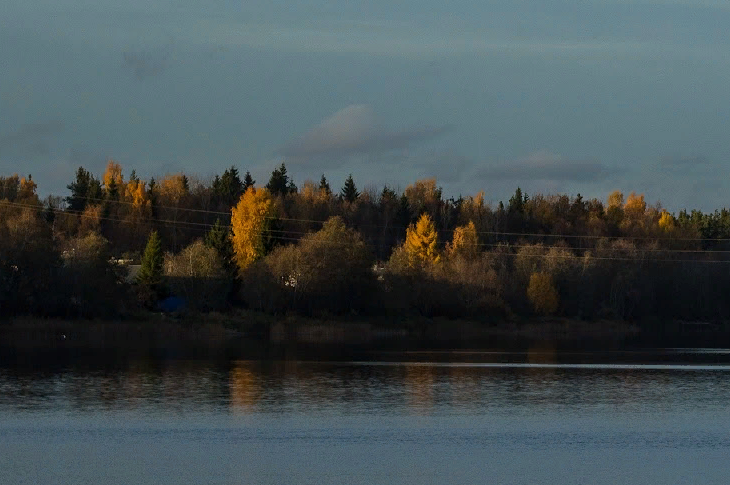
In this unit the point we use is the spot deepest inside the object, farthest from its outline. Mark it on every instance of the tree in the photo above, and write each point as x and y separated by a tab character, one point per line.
230	186
329	270
150	274
279	181
198	274
349	191
248	181
324	185
84	189
465	242
635	206
113	180
666	222
517	202
219	238
542	293
249	220
421	244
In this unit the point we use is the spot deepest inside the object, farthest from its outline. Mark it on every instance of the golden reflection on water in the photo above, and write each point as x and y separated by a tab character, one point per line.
419	384
245	388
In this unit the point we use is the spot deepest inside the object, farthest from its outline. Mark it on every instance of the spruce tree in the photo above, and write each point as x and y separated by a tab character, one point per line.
150	274
349	191
231	186
324	185
279	181
248	181
79	190
219	239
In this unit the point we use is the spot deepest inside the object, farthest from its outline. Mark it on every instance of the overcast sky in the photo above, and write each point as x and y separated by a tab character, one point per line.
558	96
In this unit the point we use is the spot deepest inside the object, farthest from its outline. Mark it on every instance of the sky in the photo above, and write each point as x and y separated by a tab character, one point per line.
555	97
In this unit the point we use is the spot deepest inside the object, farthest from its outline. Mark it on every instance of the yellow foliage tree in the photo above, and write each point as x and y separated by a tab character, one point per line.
173	188
90	220
615	199
27	189
465	242
422	242
635	206
135	192
423	194
666	222
113	175
249	219
542	293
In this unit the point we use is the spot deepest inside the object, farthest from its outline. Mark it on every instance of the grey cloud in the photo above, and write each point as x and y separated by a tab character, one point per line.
145	64
354	130
31	139
547	166
683	161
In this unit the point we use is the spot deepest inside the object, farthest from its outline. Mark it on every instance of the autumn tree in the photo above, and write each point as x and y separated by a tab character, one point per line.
465	242
27	192
249	220
197	274
421	244
542	293
423	196
329	270
635	206
113	180
666	222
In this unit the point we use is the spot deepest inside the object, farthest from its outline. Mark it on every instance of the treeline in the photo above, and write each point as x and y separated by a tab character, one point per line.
316	250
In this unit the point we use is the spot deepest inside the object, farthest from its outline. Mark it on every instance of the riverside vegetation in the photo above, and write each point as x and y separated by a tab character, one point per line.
229	246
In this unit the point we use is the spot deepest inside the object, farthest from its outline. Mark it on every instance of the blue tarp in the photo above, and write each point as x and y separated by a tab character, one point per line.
172	304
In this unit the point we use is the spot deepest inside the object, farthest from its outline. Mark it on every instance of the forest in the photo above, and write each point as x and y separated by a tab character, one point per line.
315	250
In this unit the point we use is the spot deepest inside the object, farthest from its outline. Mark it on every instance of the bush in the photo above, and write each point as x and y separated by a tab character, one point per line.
327	271
542	294
198	275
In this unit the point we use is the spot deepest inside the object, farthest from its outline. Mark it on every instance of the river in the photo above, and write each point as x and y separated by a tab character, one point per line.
535	416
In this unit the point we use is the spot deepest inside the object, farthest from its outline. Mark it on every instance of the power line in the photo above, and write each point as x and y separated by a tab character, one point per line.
396	226
171	223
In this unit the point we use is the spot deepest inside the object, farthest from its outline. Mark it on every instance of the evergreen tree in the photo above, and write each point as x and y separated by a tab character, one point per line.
79	190
112	190
404	211
150	274
248	181
230	186
133	177
349	191
324	185
516	203
279	181
291	187
219	238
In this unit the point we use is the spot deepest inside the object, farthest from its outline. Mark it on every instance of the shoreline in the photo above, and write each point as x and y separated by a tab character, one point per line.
215	332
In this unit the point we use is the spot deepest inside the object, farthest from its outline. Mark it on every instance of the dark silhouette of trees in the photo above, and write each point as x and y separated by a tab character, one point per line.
349	191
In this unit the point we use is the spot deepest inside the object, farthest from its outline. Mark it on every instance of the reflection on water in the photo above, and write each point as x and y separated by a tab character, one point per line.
400	387
539	416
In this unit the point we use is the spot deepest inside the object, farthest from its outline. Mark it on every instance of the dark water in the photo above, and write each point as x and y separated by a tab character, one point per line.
659	417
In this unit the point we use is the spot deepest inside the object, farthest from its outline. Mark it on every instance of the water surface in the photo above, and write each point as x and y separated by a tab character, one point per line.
653	417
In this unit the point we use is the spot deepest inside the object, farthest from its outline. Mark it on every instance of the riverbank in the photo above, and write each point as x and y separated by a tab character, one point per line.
217	330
